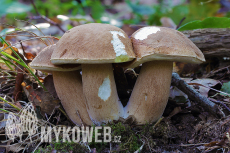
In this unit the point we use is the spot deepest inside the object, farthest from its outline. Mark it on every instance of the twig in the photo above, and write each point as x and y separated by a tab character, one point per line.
195	96
63	112
219	102
22	47
148	143
92	18
37	37
21	30
180	22
34	26
45	18
215	71
18	88
158	122
78	114
186	145
209	88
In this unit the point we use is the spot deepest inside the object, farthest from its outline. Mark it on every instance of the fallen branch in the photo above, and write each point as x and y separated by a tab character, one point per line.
219	102
195	96
213	42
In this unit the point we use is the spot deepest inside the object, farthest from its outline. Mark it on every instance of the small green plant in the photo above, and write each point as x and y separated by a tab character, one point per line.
52	8
130	140
19	61
151	14
98	145
63	147
210	22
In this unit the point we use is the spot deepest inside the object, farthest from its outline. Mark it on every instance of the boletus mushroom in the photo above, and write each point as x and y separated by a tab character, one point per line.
156	48
96	46
68	85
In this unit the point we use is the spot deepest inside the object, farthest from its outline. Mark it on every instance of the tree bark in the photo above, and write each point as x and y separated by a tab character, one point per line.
212	42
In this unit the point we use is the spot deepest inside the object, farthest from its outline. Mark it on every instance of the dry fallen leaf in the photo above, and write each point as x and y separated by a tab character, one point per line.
4	67
29	56
175	111
202	85
185	69
8	50
47	100
175	92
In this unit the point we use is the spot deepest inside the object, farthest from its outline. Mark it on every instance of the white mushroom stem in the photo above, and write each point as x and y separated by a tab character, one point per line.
151	91
101	94
68	86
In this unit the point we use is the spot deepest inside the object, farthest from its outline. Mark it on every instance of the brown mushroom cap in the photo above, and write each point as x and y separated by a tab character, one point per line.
100	45
160	43
156	48
42	62
93	43
68	85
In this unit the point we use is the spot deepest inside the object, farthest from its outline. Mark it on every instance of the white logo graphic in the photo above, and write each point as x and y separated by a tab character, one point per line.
25	122
13	126
29	120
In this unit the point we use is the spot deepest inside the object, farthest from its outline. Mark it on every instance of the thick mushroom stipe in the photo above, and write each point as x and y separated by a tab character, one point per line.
67	82
68	86
101	94
151	91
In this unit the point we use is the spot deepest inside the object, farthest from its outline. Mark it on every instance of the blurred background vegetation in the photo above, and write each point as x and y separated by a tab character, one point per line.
69	13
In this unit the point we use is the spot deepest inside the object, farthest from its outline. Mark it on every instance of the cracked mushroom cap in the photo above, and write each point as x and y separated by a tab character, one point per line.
42	62
160	43
93	43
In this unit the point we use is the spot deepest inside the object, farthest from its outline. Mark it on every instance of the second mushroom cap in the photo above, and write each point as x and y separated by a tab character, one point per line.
156	48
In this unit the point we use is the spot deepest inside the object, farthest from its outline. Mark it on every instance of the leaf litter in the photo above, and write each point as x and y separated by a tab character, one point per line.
186	126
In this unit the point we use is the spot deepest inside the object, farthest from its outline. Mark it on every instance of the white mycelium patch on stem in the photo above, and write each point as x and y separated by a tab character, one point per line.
145	32
104	91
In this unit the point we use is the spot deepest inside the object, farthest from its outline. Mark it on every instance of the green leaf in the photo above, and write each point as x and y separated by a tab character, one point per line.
200	9
226	87
140	9
177	13
97	9
10	6
191	25
194	10
211	22
155	18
